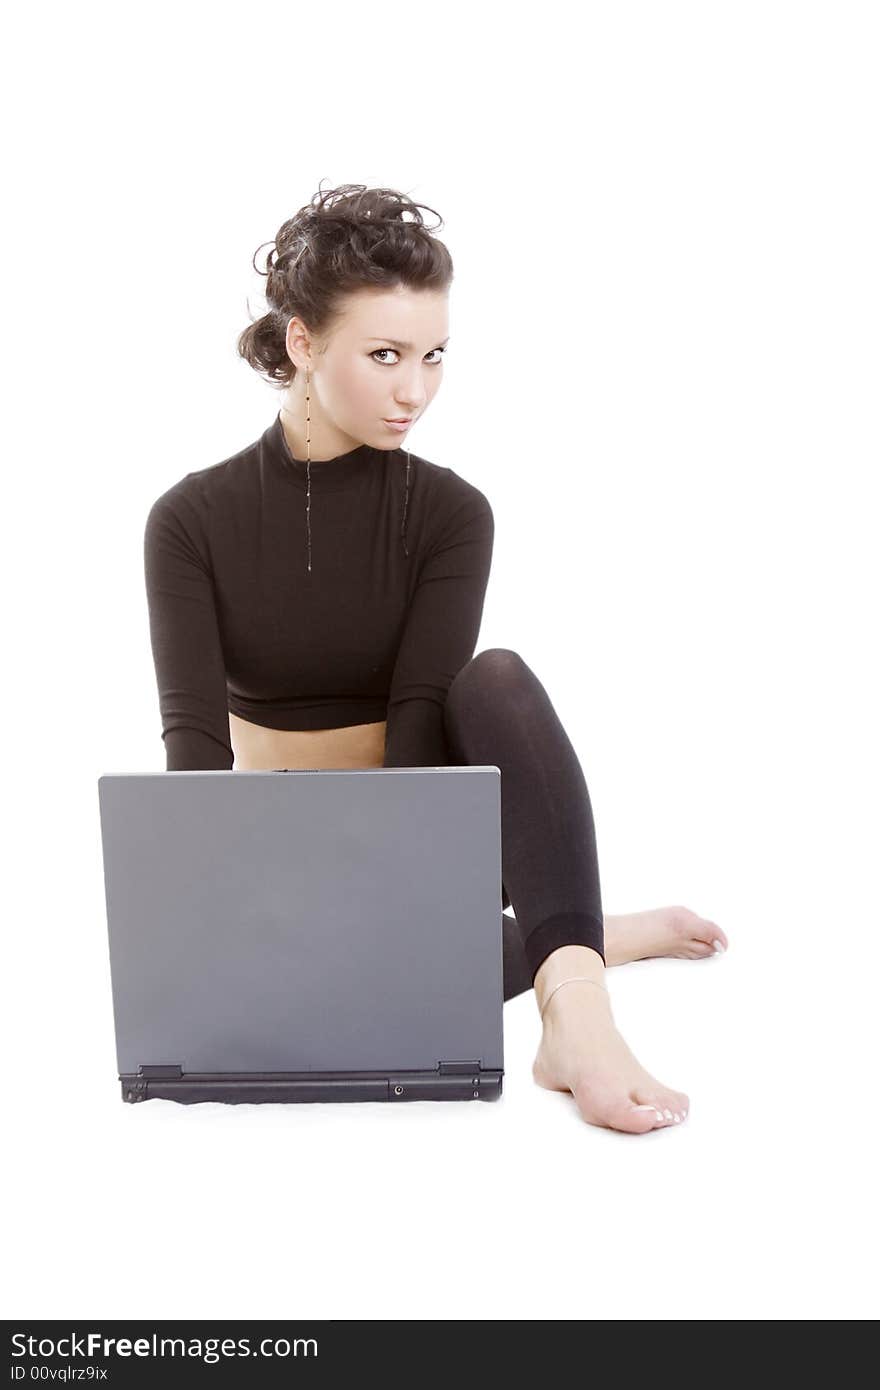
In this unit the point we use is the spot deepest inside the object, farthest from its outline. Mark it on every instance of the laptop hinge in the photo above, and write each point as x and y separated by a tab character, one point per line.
458	1068
161	1072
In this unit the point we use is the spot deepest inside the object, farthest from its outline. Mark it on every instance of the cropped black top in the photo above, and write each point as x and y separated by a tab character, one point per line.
378	629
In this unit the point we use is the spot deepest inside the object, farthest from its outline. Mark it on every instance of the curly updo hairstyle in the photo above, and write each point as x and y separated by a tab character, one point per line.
345	239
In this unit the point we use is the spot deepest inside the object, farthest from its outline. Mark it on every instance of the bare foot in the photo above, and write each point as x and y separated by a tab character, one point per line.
581	1051
662	931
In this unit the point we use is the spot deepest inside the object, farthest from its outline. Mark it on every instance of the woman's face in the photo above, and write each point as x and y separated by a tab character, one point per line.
383	360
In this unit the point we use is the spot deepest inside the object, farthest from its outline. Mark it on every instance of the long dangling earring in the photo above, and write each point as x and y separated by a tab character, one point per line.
405	504
308	471
309	482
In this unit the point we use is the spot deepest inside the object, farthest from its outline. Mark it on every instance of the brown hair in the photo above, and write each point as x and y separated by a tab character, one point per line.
347	238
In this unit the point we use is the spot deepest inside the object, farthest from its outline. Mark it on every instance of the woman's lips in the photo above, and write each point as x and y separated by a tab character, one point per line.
398	424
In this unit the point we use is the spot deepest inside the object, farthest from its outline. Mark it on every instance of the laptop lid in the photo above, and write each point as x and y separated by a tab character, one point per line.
290	921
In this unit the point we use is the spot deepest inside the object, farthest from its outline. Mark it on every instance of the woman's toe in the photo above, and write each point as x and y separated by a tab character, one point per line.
700	934
645	1099
702	949
679	1104
635	1118
714	935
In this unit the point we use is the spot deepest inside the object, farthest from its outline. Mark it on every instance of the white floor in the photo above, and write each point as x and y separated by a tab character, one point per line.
761	1205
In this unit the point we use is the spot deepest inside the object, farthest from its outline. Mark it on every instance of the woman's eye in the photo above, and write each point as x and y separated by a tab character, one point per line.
433	364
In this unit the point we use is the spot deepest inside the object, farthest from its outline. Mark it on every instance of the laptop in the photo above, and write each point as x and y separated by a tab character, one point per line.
305	934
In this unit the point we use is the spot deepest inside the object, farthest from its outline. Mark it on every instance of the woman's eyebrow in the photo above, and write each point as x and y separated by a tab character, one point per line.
397	344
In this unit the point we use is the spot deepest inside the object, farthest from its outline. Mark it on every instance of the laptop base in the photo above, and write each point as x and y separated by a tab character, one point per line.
233	1088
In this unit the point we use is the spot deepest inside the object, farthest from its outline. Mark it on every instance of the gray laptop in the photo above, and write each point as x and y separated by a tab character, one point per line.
305	935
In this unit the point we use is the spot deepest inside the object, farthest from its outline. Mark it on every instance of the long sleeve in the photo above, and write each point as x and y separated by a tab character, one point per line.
185	638
440	635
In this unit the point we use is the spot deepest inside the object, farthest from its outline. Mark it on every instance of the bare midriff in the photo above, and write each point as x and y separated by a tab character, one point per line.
257	749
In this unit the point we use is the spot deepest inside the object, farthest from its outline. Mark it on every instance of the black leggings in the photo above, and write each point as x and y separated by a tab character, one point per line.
498	713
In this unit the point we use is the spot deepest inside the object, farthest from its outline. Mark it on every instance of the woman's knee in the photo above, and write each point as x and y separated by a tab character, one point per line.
496	673
496	701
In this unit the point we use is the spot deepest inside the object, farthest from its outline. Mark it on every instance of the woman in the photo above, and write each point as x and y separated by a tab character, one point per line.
315	601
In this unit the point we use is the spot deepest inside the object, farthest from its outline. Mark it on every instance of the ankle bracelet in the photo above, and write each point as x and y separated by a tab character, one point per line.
570	981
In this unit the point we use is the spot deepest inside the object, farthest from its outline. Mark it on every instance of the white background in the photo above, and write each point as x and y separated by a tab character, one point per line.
663	372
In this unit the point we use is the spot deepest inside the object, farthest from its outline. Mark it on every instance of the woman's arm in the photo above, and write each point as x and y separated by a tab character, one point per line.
187	653
440	635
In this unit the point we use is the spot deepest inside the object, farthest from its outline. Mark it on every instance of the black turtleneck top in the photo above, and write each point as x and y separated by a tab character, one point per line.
379	628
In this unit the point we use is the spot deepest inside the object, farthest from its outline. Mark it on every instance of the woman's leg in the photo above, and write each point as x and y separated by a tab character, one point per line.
498	712
516	971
